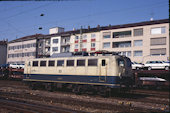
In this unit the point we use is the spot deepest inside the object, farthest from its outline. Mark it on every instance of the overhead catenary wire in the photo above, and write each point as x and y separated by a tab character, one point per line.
158	4
96	14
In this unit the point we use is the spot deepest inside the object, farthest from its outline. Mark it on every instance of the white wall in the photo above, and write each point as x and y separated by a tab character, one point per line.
55	45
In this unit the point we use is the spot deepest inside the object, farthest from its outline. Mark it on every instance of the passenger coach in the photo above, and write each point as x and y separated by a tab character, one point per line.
106	70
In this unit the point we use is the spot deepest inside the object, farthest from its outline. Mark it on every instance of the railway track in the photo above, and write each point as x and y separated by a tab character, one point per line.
136	101
87	101
30	107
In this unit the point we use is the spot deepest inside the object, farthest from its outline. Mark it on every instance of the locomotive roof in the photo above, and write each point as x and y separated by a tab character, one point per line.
72	57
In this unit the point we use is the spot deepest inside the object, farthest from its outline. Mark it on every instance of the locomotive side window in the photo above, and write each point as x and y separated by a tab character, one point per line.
29	63
92	62
51	63
70	62
103	62
80	62
60	62
42	63
35	63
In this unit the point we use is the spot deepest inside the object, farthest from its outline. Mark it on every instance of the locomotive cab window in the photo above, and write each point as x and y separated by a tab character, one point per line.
51	63
70	62
35	63
42	63
121	62
92	62
103	62
60	62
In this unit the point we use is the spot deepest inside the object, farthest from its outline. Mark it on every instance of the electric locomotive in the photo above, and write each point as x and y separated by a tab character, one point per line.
105	69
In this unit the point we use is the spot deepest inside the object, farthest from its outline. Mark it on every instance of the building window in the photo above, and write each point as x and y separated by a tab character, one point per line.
54	49
138	53
122	34
121	44
158	41
76	37
158	52
92	62
76	46
93	45
93	35
42	63
106	45
80	62
60	62
106	34
158	30
138	32
70	62
51	63
35	63
84	37
55	41
138	42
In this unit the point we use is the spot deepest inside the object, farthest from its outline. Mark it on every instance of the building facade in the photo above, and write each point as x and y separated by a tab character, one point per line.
3	52
43	46
140	42
22	49
88	42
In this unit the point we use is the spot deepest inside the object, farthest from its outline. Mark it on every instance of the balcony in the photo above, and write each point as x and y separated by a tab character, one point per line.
93	49
84	49
65	44
121	44
75	50
76	41
93	40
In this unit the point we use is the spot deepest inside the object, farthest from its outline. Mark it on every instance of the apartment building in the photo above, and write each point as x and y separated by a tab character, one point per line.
60	40
3	52
22	49
140	42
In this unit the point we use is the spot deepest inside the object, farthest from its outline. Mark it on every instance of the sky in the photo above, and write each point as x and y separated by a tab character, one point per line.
23	18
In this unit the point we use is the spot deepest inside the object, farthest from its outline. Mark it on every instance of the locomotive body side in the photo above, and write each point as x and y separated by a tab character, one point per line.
93	70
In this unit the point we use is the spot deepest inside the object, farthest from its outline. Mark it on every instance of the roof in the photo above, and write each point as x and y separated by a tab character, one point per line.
110	27
89	30
31	37
137	24
3	42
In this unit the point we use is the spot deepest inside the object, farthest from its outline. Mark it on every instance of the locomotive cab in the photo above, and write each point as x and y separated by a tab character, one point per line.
125	71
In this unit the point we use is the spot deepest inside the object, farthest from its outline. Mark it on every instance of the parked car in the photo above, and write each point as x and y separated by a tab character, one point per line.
137	66
156	65
21	66
15	66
